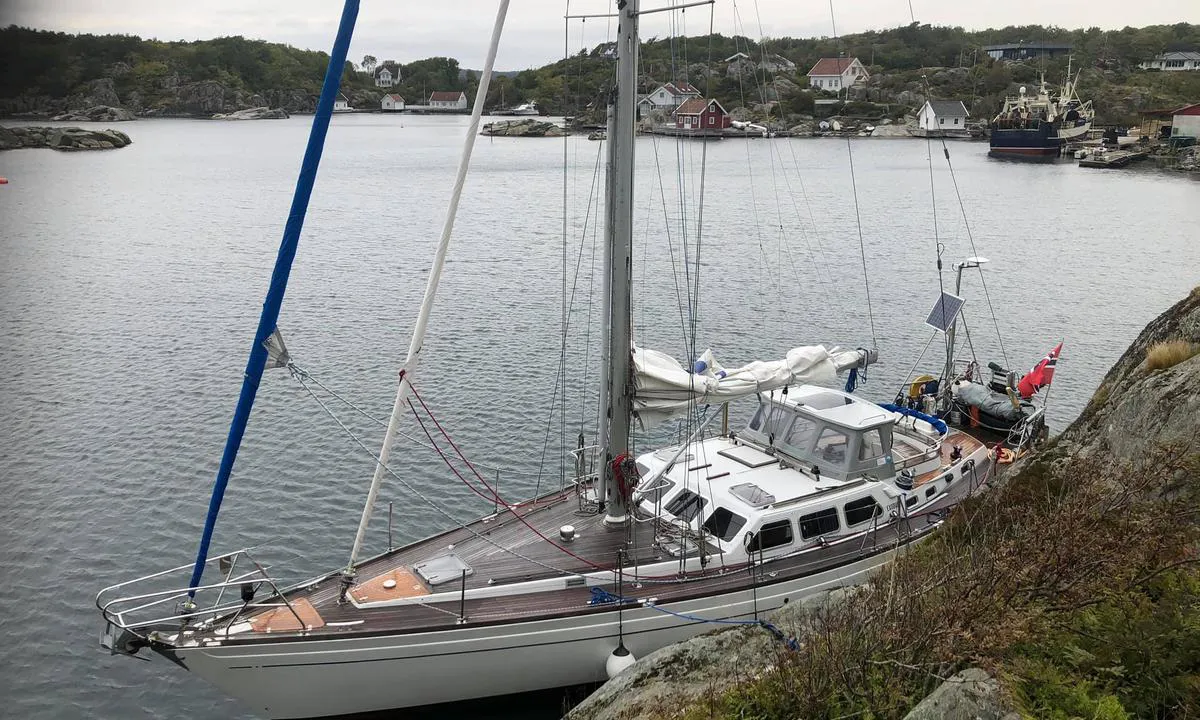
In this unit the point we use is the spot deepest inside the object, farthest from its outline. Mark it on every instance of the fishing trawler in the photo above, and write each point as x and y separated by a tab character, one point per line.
1038	126
633	550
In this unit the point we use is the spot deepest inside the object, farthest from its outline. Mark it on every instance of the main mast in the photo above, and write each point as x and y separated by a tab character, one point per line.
616	380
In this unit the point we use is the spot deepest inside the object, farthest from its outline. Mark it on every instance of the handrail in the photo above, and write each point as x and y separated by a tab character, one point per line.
117	610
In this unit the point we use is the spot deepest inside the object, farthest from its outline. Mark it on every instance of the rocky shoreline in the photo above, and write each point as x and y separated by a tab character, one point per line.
61	138
1129	458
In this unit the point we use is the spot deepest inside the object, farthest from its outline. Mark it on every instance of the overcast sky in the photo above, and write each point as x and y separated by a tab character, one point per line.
407	30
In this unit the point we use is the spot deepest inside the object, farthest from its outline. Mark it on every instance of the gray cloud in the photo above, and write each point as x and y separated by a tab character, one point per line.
533	35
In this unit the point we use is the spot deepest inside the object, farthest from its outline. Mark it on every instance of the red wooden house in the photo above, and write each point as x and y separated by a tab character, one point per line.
701	114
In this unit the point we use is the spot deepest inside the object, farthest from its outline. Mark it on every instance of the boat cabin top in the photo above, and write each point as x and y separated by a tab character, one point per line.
840	435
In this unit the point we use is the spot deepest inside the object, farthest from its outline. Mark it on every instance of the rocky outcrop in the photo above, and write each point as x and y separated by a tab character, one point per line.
258	113
99	113
61	138
522	128
1149	397
972	694
206	97
903	128
683	673
98	92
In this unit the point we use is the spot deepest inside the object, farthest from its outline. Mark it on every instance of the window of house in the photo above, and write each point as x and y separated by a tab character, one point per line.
941	121
772	535
860	511
712	120
831	446
822	522
686	506
956	120
724	523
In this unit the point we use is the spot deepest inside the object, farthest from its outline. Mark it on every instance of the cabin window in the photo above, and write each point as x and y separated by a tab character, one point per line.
801	434
724	523
655	491
860	511
910	501
871	447
686	506
831	446
822	522
930	492
772	535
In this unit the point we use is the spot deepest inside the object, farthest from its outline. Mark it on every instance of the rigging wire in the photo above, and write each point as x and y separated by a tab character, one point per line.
854	187
421	496
966	225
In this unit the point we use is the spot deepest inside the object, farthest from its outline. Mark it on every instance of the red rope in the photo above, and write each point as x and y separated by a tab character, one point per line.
511	508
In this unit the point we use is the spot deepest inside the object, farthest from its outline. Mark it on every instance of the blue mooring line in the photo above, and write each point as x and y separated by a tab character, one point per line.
279	278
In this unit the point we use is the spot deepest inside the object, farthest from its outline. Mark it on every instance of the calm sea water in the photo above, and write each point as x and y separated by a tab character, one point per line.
131	282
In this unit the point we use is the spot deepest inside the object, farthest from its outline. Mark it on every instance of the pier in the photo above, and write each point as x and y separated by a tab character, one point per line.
1101	158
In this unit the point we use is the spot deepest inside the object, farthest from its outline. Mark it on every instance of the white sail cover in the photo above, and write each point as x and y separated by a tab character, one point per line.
663	387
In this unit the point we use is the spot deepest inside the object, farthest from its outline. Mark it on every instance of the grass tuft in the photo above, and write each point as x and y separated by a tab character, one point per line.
1169	354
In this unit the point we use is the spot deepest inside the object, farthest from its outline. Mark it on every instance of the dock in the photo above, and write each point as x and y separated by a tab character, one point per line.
1112	158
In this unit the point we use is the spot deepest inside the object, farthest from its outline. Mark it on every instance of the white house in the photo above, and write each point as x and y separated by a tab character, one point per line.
1173	62
942	118
448	100
341	104
387	75
837	73
666	98
392	103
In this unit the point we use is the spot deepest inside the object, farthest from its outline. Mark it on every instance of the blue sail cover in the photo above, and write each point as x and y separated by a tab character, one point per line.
279	278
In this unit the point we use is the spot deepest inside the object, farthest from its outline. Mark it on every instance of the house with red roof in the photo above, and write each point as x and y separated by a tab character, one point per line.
701	114
834	74
666	98
448	100
392	103
1186	121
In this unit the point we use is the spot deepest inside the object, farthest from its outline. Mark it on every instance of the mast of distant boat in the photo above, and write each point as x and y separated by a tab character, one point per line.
617	371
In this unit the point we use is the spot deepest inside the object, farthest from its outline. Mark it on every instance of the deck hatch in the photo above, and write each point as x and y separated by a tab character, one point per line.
442	569
752	495
748	456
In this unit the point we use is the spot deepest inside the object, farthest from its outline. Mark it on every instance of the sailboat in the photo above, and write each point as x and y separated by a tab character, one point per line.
634	552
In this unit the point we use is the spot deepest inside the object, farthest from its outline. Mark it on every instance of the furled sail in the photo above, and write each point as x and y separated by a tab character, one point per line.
663	387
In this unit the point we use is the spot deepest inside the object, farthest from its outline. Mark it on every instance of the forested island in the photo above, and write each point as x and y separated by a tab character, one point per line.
48	73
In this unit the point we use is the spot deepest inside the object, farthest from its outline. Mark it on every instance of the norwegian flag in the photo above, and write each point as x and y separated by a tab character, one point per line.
1041	374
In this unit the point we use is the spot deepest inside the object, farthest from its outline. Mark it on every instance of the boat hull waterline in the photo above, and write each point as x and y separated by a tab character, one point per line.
317	678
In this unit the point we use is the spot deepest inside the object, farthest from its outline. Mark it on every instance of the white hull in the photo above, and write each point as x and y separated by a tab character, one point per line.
314	678
1075	132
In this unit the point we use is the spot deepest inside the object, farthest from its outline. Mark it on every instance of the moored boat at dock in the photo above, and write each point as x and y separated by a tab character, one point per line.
1038	126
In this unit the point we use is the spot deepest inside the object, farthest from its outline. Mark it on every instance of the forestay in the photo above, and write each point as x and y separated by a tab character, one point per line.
663	387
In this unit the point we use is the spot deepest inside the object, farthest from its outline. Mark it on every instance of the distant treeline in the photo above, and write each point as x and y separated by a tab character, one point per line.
55	64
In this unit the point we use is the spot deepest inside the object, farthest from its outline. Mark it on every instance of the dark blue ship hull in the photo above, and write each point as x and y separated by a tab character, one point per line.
1040	143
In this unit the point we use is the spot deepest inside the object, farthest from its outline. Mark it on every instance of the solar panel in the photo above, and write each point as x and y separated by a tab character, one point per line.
944	311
